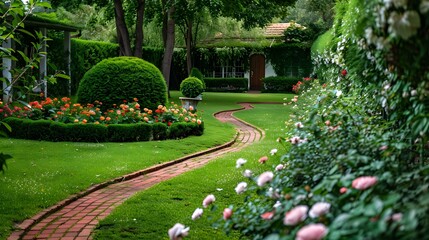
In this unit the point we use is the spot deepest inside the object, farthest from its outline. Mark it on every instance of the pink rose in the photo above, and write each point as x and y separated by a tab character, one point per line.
178	231
343	190
295	215
319	209
263	159
197	213
264	178
227	213
362	183
312	232
267	215
241	187
280	167
208	200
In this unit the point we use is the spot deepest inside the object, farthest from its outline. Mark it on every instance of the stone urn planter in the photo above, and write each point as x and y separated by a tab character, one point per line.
192	89
188	102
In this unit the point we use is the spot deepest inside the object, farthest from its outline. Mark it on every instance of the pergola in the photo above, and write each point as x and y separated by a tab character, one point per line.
43	25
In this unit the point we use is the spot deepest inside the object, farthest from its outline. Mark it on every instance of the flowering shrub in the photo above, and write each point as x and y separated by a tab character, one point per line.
357	167
301	86
63	110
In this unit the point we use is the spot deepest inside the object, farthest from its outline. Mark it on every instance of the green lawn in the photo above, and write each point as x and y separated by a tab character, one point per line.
41	174
149	214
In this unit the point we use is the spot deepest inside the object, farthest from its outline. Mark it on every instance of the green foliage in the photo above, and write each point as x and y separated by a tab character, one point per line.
298	34
290	59
159	131
195	72
123	78
279	84
182	130
226	84
87	54
130	132
191	87
322	43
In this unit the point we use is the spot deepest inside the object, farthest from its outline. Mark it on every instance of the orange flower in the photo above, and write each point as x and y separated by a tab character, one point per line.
84	121
96	122
102	118
108	119
198	121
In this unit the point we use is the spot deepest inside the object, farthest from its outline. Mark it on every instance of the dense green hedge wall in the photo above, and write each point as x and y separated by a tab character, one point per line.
56	131
290	59
85	54
279	84
123	78
226	84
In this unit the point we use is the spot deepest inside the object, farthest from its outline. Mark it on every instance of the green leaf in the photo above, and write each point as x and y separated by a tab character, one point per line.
59	75
3	158
44	4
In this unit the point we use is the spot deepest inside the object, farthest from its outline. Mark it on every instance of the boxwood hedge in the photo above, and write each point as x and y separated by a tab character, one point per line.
56	131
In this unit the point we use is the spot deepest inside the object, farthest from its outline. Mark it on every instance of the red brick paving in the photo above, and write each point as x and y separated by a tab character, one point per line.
76	217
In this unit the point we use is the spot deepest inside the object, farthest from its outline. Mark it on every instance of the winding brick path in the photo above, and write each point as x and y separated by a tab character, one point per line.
76	217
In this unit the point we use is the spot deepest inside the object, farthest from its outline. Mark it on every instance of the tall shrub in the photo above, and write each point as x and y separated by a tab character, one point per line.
85	54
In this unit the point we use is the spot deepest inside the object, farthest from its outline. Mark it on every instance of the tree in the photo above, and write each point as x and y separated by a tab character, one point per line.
127	13
189	15
169	39
255	13
312	12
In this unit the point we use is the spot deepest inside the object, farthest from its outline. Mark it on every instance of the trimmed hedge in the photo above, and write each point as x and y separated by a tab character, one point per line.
85	54
279	84
59	132
123	78
226	84
130	132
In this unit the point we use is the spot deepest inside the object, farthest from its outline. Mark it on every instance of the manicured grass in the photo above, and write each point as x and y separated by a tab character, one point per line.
41	174
149	214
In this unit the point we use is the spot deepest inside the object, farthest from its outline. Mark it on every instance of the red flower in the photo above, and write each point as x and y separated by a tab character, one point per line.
344	72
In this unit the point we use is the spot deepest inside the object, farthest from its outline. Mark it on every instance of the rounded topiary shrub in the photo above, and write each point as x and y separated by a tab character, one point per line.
191	87
114	80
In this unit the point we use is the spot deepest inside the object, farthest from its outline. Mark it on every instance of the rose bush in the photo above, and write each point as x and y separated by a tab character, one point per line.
63	110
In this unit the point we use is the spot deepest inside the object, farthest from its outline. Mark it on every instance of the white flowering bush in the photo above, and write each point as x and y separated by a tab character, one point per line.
358	163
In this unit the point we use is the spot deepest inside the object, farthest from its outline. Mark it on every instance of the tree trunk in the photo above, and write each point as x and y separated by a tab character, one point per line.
169	48
138	51
189	46
121	29
164	23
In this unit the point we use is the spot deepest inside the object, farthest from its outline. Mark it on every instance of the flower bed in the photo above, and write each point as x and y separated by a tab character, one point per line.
60	120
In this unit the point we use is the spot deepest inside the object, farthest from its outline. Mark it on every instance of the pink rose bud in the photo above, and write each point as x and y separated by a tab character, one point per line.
227	213
265	178
263	159
319	209
295	215
267	215
208	200
312	232
365	182
343	190
178	231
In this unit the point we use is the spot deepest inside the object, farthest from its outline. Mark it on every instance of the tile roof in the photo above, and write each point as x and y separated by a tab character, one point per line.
276	29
